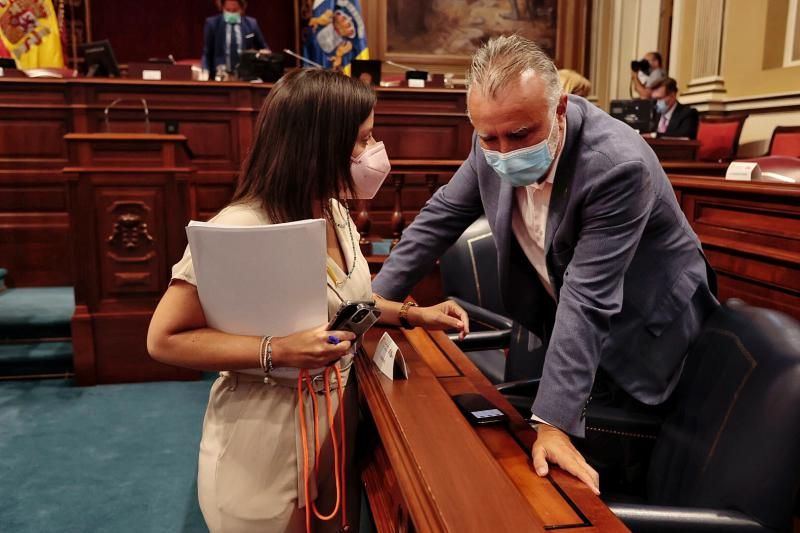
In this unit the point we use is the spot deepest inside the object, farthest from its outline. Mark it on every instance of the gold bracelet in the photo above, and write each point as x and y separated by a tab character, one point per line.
403	315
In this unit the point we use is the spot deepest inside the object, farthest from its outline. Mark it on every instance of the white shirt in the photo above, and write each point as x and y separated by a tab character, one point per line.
529	219
529	223
666	117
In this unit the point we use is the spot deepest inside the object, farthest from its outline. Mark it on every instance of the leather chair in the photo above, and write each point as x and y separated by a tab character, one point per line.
719	137
785	141
727	458
469	277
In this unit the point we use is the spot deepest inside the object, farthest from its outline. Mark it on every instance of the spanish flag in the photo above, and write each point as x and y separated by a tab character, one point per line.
29	31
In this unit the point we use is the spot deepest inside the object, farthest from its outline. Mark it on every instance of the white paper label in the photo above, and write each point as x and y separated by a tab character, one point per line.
742	171
152	75
416	83
385	354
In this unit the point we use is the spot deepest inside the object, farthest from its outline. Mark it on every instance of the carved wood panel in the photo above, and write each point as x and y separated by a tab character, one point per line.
130	240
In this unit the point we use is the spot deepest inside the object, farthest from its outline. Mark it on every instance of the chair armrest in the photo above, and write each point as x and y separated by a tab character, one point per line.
662	519
483	340
523	387
483	316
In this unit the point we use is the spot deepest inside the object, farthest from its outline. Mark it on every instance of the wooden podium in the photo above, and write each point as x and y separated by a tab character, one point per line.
425	469
128	196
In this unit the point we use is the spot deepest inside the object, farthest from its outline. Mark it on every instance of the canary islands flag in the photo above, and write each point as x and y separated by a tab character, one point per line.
29	31
335	34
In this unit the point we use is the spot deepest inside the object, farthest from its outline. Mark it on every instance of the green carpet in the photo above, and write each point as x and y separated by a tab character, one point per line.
35	358
36	313
116	458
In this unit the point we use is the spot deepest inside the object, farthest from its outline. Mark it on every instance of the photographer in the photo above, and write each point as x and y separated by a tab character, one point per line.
645	73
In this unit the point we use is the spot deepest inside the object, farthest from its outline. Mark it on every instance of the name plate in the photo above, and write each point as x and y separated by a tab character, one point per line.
151	75
743	171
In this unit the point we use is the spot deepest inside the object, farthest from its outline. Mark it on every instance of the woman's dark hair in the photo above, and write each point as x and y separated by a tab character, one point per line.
304	136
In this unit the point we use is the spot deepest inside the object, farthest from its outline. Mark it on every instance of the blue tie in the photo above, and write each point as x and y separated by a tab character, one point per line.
234	50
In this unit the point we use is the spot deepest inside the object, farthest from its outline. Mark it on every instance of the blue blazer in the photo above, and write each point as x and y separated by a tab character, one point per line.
214	40
622	259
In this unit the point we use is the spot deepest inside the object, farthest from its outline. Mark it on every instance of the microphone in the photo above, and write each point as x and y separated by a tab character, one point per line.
118	100
303	59
404	67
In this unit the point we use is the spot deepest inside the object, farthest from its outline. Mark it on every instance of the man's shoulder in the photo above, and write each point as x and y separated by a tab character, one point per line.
603	141
684	110
213	19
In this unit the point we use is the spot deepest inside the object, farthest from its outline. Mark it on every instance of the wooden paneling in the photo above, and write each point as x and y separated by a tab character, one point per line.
153	28
130	217
751	235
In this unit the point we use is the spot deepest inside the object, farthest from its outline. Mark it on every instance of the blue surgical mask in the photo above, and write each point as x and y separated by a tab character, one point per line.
524	166
661	106
232	18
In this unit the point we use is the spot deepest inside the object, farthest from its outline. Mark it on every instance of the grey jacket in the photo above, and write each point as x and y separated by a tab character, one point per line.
621	257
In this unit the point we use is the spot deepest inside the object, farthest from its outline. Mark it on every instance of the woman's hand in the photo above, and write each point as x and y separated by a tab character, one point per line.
445	315
311	348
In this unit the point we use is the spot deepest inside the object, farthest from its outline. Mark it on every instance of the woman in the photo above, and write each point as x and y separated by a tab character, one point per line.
313	147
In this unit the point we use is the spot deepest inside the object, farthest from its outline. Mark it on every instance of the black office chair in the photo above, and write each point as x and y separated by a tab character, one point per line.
728	456
469	277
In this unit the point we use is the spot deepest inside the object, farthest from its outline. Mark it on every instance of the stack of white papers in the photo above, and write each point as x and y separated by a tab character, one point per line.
261	280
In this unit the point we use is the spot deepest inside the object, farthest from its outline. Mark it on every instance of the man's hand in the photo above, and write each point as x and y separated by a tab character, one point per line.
553	446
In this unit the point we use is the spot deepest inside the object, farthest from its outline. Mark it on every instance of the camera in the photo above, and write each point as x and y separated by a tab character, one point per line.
359	316
641	65
356	316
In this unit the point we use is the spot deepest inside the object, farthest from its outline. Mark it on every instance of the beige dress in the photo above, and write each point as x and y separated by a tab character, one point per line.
250	473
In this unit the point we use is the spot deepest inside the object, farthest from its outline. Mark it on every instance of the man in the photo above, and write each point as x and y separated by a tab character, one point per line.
227	34
590	239
643	82
676	119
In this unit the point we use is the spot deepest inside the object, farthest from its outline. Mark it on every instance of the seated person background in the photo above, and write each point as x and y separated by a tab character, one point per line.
676	120
574	83
227	34
643	83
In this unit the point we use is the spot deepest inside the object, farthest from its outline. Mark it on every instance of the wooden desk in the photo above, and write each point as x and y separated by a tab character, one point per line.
418	125
427	470
750	233
673	149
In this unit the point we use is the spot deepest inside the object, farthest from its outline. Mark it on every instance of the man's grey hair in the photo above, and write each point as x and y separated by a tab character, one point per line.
502	60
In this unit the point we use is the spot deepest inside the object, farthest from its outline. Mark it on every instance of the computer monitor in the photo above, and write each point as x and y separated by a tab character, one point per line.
98	59
367	70
254	65
638	114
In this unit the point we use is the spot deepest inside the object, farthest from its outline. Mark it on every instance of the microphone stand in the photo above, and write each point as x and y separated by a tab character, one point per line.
303	59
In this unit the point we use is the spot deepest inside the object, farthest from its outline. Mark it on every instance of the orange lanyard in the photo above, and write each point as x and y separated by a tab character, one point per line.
339	456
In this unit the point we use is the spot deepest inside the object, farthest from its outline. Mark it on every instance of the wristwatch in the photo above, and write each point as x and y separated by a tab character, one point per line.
403	315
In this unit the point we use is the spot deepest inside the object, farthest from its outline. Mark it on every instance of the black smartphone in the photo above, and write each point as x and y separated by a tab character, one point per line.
479	410
357	317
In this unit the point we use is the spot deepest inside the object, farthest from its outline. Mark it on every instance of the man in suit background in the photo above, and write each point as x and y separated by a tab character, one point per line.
594	253
227	34
676	119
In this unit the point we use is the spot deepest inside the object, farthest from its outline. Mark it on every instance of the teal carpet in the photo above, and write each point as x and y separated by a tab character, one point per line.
116	458
36	313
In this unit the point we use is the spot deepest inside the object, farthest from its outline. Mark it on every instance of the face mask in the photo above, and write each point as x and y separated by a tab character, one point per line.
525	166
369	170
661	106
232	18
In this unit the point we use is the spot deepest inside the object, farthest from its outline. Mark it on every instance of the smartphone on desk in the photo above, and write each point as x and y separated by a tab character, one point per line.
478	410
356	317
